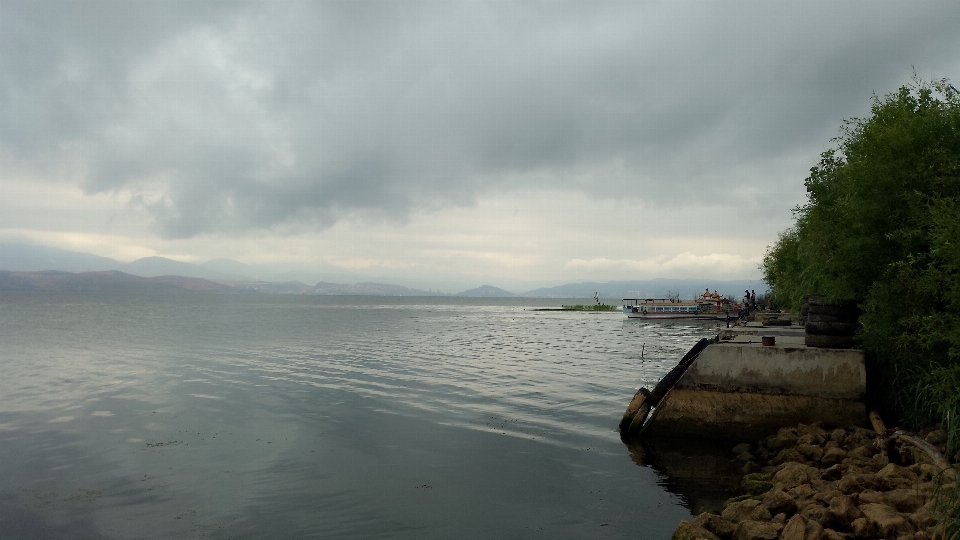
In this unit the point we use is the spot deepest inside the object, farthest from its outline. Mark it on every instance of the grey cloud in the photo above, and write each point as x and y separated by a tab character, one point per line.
227	116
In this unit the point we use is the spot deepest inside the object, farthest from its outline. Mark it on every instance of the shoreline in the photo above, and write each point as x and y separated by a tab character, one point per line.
806	483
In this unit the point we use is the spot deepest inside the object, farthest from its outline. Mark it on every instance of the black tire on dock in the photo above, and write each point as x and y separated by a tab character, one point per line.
845	310
820	318
831	328
638	419
638	400
829	342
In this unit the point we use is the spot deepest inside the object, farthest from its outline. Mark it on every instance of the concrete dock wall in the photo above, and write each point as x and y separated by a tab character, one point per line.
741	390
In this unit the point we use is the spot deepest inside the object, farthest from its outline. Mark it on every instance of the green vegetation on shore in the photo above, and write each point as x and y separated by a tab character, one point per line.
590	307
881	226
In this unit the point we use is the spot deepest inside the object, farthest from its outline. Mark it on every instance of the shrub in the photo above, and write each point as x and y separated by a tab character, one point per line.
881	226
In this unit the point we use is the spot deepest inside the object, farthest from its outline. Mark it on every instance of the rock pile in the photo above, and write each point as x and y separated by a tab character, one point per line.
806	483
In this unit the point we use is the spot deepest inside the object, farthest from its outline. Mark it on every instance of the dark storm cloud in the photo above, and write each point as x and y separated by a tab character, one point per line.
230	116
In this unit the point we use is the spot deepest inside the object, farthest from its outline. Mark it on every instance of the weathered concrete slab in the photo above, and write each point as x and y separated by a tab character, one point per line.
738	389
738	333
796	370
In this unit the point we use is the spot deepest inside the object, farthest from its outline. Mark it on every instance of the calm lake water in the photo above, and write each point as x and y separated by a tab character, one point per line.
267	416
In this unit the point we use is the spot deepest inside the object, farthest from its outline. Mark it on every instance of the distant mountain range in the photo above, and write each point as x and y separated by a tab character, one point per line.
59	269
106	280
487	291
650	288
27	258
371	289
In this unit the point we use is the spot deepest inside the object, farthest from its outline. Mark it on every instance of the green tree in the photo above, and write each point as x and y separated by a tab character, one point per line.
882	226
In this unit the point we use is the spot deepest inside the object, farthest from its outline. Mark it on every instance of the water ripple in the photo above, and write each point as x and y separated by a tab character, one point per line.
319	417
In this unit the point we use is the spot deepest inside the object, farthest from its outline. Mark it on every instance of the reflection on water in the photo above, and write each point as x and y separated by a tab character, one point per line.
247	416
702	472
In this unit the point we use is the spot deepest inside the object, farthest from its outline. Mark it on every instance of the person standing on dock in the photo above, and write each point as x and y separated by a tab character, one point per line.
753	299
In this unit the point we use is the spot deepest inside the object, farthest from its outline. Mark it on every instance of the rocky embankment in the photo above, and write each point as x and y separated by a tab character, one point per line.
806	483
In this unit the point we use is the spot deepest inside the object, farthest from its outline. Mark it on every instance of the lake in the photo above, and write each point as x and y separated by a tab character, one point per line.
271	416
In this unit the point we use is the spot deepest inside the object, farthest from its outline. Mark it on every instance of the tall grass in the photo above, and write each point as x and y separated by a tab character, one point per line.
933	397
594	307
948	506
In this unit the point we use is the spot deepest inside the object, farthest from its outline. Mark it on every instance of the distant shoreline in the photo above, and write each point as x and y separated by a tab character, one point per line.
104	280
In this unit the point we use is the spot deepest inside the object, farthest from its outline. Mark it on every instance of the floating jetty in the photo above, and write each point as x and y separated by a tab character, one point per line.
747	383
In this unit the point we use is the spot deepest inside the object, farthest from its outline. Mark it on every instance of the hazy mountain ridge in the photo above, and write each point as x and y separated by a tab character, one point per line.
106	280
649	288
31	258
27	258
371	289
236	276
487	291
161	266
271	287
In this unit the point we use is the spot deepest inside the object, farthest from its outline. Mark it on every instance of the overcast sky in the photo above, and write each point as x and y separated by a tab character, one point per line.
441	144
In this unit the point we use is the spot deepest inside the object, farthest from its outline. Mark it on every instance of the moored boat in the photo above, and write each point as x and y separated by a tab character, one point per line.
707	306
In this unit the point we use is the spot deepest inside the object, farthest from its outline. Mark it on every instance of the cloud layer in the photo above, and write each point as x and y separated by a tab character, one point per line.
230	118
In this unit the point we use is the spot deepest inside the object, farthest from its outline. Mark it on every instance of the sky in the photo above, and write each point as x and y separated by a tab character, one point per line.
440	144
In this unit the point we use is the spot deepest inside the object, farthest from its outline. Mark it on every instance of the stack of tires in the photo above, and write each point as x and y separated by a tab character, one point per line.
829	325
805	307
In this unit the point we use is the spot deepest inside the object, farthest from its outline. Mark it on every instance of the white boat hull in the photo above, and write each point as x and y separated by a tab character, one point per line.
674	316
703	309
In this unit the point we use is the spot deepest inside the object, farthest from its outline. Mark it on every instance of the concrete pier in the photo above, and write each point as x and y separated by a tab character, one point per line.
740	389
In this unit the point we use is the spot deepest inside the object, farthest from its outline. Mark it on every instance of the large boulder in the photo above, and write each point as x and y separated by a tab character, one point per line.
863	451
888	523
830	534
817	512
760	513
857	483
802	492
832	456
715	524
923	518
834	472
838	436
784	438
878	461
806	432
794	474
926	471
859	436
863	528
870	496
893	476
689	531
801	528
777	501
791	454
757	530
739	511
811	452
826	495
844	511
904	500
